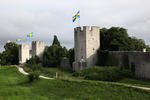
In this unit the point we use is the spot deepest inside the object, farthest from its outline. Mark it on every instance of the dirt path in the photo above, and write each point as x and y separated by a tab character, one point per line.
20	69
129	85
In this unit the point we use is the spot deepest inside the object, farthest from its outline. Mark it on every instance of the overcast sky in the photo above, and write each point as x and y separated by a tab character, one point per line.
48	17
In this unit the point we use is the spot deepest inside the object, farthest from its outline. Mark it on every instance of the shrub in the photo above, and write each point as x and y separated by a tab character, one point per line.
103	73
35	60
33	76
34	67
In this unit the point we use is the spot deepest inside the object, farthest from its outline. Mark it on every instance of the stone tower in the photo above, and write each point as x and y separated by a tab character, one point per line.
86	42
38	49
23	53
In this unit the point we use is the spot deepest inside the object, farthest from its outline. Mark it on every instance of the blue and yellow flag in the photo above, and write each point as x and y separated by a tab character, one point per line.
30	35
18	40
77	15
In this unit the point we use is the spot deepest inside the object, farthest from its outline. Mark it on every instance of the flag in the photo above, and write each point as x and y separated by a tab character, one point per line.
77	15
30	35
18	40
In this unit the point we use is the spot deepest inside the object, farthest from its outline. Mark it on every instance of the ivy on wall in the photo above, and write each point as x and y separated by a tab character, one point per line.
105	58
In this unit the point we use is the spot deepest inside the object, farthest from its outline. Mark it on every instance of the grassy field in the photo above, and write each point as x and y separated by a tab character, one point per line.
51	72
136	82
15	86
64	74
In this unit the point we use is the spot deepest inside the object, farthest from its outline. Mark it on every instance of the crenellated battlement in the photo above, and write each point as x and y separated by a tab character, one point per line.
78	29
38	49
38	42
86	28
87	42
25	52
24	46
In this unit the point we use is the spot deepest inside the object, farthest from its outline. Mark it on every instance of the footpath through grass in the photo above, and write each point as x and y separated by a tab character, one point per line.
65	74
14	86
136	82
51	72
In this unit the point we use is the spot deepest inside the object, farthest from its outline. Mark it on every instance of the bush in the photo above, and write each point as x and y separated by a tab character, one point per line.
33	76
35	60
34	67
103	73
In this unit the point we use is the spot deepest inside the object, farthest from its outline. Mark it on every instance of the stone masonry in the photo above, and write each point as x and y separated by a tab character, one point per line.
23	53
86	42
38	49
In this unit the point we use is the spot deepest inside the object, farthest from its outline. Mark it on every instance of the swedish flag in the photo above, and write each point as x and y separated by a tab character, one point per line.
77	15
30	35
18	40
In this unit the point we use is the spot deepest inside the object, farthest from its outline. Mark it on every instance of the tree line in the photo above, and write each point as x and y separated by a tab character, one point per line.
117	39
112	39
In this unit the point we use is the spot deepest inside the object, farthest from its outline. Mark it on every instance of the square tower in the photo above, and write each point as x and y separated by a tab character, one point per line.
23	53
38	49
86	42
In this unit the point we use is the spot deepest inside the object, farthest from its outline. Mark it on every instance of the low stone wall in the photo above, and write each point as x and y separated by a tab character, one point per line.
65	64
138	62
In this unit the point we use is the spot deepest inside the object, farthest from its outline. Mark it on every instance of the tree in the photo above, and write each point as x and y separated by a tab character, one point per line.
55	41
117	39
70	55
52	56
54	53
10	55
33	60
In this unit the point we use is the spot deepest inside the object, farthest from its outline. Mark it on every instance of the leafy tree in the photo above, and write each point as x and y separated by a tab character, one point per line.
117	39
35	60
54	53
64	52
1	58
55	41
10	55
70	55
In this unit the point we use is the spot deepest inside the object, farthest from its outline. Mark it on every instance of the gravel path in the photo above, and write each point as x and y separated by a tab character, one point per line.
20	69
129	85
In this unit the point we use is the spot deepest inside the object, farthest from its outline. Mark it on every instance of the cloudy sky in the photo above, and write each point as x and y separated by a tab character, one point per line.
48	17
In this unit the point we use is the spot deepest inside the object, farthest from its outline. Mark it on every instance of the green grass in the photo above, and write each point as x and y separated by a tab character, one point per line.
106	73
14	86
64	74
51	72
137	82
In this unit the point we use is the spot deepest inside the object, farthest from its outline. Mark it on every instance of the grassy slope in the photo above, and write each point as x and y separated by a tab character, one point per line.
137	82
14	86
50	72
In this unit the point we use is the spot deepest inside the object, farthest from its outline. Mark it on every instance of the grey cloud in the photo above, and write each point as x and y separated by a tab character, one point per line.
48	17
